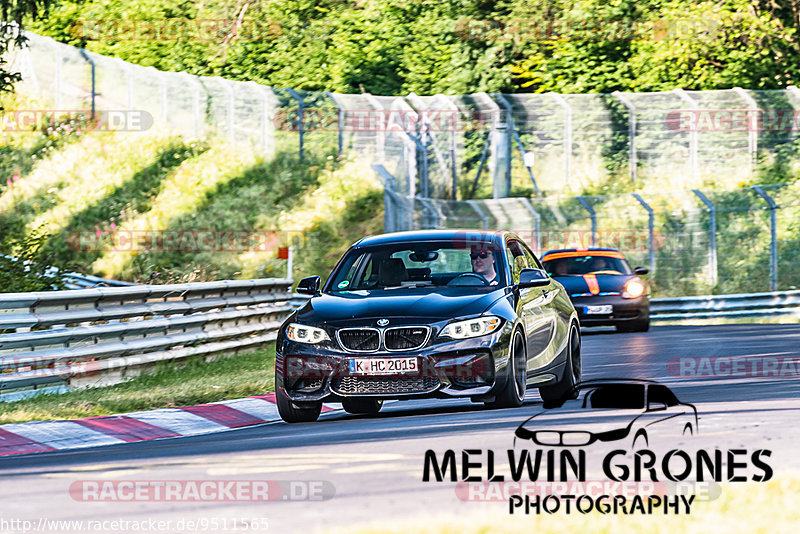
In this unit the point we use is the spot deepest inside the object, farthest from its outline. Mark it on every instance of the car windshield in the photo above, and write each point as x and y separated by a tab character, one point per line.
612	396
423	264
589	264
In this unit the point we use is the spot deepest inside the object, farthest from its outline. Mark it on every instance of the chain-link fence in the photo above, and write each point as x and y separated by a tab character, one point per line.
501	161
693	242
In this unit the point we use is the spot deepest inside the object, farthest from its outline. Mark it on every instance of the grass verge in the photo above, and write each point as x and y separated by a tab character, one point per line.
195	382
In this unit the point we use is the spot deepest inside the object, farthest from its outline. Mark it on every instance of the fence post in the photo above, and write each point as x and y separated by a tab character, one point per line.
537	224
773	237
477	209
507	106
162	85
128	81
268	109
437	218
567	134
300	114
481	164
712	236
592	215
651	250
57	85
380	135
752	126
693	163
388	182
199	114
500	155
93	69
632	156
340	121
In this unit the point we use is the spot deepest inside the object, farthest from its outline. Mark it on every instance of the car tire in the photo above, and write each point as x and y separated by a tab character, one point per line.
635	326
513	393
555	395
293	413
362	406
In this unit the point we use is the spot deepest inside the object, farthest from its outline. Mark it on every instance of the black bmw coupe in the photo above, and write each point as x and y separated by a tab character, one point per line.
439	313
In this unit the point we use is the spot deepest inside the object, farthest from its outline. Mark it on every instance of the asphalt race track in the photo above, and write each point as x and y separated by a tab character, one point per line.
375	465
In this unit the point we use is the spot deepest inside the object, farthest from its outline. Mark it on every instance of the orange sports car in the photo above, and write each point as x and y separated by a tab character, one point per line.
602	287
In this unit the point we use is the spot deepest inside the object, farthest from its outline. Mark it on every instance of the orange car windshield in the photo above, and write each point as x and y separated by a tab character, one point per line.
588	264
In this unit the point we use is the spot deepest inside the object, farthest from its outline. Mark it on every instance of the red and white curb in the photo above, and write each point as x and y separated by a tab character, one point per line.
47	436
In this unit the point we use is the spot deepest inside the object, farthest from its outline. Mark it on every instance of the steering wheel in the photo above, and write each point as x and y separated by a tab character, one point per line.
463	275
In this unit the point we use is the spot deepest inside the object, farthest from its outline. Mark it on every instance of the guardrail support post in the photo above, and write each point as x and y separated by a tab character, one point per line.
712	236
593	215
651	249
773	237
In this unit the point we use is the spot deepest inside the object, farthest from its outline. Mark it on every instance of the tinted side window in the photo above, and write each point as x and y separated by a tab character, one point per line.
658	393
516	259
532	259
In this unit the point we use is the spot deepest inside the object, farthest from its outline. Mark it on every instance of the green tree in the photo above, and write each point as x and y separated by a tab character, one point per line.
13	13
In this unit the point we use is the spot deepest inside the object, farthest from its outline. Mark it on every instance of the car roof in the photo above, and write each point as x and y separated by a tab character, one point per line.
581	252
468	237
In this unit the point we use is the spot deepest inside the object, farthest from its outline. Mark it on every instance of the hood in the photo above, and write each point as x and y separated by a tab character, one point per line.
407	303
606	283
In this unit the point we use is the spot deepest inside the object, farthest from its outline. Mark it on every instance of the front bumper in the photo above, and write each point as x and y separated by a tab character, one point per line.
474	368
623	310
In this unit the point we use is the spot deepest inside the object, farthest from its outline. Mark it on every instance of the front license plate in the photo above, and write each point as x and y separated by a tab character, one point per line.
597	310
382	366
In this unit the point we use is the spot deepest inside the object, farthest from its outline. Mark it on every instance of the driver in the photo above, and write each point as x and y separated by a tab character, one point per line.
483	264
599	263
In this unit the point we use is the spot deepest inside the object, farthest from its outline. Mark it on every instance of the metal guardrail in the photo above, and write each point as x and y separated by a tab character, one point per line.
101	336
705	306
736	305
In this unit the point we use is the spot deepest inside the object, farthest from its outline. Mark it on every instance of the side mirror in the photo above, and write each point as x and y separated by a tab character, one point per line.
309	286
641	270
533	278
656	407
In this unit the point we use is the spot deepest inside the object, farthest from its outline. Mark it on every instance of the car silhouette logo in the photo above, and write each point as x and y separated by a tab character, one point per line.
383	322
612	409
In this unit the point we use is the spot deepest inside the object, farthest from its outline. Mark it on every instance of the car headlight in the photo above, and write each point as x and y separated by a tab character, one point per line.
306	334
634	288
479	326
